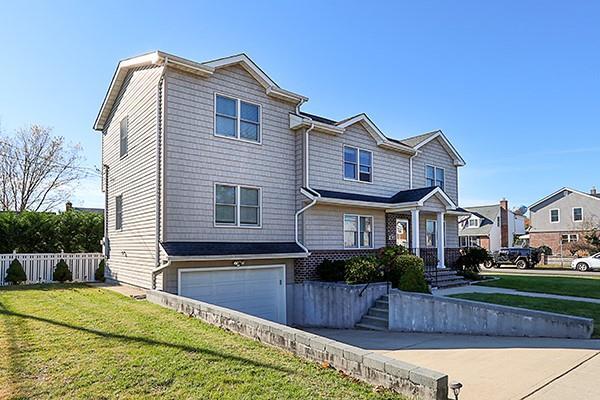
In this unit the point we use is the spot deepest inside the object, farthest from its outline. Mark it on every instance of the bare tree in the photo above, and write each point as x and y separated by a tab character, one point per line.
37	169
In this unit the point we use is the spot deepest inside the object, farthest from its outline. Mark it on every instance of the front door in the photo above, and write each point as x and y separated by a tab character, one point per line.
402	232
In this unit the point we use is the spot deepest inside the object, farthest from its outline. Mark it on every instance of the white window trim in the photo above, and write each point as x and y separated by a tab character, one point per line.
125	118
358	150
568	235
435	168
573	214
435	233
358	246
237	206
115	199
238	104
550	215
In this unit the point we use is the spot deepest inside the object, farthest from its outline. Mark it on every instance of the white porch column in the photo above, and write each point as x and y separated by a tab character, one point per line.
414	223
440	240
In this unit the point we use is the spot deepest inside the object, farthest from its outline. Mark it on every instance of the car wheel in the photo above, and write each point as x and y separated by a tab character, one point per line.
521	264
582	267
488	264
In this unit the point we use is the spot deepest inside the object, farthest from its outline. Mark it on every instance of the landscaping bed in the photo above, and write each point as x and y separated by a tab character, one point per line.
73	341
574	308
565	286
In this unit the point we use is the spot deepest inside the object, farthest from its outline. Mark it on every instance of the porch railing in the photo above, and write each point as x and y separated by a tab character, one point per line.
430	259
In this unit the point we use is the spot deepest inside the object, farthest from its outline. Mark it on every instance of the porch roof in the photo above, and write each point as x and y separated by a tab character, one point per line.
231	250
404	199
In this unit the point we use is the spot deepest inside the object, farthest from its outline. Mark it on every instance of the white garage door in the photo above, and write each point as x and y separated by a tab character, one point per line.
258	291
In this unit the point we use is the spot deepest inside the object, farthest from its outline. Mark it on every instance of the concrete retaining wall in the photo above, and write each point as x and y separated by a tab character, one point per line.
409	380
416	312
332	305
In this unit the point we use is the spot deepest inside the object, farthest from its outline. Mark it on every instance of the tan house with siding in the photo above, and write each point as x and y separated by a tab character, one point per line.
219	187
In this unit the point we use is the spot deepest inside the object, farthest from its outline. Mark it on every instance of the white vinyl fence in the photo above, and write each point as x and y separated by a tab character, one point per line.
39	267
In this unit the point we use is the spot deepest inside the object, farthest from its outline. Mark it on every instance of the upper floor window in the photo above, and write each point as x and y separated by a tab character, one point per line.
358	164
237	206
119	212
237	119
431	233
473	223
434	176
555	215
358	231
577	214
123	133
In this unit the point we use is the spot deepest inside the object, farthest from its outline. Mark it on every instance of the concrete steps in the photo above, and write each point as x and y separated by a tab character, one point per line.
445	278
377	317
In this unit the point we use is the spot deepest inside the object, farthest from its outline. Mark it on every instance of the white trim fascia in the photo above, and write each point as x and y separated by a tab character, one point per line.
298	122
357	203
562	190
379	137
268	256
458	160
439	191
271	88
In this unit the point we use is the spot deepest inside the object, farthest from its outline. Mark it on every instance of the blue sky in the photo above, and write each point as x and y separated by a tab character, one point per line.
515	85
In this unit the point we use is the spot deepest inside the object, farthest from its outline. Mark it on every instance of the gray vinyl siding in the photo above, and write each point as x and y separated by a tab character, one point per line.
324	226
390	168
196	159
132	249
451	229
433	153
565	202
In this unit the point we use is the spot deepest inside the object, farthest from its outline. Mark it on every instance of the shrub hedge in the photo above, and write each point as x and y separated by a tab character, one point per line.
15	273
40	232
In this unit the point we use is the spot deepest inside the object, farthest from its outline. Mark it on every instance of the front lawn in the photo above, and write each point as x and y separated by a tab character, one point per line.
576	308
73	341
566	286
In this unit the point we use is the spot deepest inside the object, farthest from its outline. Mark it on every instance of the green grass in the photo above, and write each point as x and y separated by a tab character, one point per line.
566	286
576	308
73	341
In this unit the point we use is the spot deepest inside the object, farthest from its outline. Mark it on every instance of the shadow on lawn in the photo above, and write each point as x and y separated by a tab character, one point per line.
140	339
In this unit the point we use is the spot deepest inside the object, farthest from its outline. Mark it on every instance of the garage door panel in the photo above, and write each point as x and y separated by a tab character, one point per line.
256	291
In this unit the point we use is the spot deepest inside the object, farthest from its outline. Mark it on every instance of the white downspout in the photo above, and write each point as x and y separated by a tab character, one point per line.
410	170
307	180
159	135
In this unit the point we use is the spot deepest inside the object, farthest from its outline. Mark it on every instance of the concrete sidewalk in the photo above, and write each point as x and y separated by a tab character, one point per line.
491	290
493	368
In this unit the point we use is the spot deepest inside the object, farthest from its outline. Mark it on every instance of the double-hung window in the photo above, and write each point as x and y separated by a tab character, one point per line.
577	214
358	231
237	206
431	233
358	164
123	133
434	176
568	238
119	212
473	223
555	216
237	119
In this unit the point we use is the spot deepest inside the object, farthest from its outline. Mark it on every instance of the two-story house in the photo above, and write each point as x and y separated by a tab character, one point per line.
491	227
563	217
218	187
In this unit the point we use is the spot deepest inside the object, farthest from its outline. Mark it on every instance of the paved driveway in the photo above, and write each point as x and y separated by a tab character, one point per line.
493	368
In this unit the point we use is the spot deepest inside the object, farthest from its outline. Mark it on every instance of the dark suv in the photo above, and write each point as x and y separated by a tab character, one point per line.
525	257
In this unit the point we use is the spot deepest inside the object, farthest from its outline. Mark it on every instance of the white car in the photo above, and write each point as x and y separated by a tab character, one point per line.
586	263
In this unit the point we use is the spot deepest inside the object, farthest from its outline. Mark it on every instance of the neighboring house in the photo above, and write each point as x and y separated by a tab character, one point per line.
69	207
563	217
218	187
491	227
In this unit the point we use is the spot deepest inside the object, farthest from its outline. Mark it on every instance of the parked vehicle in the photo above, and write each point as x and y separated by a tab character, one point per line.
522	258
586	263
